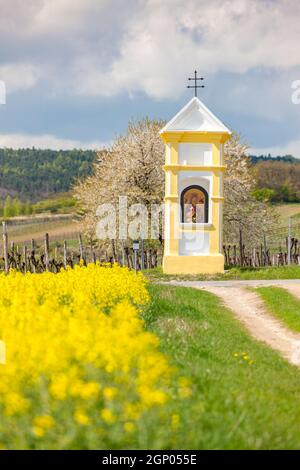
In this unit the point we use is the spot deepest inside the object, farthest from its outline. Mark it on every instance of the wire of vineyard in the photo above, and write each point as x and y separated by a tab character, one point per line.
52	255
278	247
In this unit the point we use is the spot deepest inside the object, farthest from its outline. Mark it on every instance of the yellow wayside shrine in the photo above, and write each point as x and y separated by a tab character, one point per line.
194	170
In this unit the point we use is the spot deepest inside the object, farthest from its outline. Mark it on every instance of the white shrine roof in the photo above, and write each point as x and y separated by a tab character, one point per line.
196	117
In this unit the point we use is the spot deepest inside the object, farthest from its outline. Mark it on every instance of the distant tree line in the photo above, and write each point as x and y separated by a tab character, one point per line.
280	158
277	180
13	207
30	175
33	174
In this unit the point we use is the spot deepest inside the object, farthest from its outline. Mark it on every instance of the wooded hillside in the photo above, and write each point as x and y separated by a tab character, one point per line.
33	174
278	180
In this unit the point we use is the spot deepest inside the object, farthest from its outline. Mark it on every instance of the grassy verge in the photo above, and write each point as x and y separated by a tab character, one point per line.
283	305
63	203
282	272
244	395
291	209
58	228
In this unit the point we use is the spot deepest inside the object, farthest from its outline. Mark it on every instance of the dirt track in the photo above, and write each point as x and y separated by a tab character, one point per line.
249	308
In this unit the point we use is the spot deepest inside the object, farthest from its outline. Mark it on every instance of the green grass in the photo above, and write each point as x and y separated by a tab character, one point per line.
281	272
59	228
283	305
63	203
286	210
296	218
234	404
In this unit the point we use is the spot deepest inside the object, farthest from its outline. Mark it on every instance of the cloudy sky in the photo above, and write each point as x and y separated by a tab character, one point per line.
77	70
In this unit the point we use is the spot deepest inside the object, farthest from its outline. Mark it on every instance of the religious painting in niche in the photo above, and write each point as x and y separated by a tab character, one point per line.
194	205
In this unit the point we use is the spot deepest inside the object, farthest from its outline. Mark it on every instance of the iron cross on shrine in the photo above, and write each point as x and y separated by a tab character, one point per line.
196	86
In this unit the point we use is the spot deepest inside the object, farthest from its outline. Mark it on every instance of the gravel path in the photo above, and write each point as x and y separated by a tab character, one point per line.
233	283
293	289
249	308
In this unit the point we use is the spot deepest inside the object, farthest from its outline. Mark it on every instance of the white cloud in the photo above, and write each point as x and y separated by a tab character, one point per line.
103	48
19	76
2	92
46	142
291	148
165	40
40	17
99	47
67	16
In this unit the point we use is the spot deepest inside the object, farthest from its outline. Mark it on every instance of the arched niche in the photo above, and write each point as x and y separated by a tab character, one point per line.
194	204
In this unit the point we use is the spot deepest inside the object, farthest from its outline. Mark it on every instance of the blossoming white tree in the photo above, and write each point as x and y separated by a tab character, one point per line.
133	167
242	212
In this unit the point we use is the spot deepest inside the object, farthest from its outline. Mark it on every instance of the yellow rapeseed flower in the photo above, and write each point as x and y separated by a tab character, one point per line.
109	393
38	432
81	418
175	421
108	416
44	421
76	346
129	427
